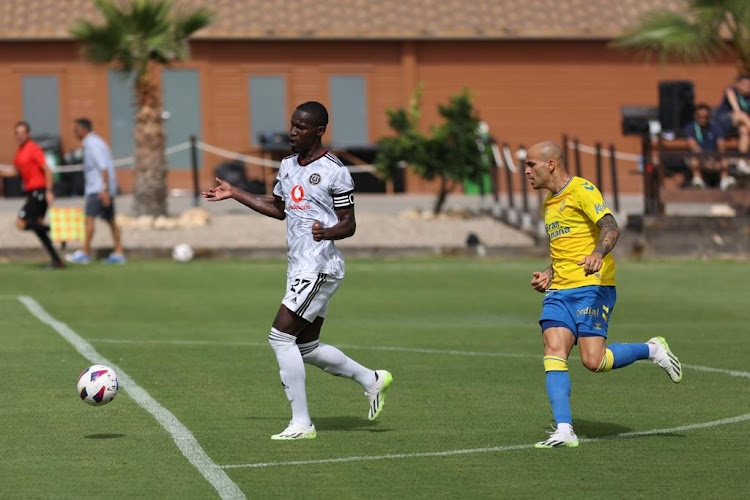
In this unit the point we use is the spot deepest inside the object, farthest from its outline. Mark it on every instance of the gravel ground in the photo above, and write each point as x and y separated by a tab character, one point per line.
382	223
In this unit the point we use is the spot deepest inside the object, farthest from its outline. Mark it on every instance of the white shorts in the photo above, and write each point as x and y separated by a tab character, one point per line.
307	294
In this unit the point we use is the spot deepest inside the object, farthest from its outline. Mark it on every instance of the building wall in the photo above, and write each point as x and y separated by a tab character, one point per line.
526	90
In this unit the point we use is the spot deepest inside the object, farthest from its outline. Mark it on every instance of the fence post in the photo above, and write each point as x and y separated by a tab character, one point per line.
598	147
613	165
194	168
577	155
652	197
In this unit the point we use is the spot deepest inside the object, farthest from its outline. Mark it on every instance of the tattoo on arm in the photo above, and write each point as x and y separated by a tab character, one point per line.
549	272
609	232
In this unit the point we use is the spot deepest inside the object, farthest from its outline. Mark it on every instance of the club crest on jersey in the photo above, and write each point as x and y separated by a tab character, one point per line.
297	193
314	179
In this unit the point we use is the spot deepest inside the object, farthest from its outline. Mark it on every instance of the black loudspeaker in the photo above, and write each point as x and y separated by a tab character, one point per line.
635	119
676	105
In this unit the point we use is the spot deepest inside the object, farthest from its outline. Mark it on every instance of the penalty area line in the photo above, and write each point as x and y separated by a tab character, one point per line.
181	435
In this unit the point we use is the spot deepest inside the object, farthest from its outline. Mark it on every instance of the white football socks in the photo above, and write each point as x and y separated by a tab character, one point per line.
292	372
335	362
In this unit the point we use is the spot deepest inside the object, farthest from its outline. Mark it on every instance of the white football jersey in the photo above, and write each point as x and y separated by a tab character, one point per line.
313	192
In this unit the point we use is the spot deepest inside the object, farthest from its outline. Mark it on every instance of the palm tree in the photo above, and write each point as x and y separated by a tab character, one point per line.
698	36
138	36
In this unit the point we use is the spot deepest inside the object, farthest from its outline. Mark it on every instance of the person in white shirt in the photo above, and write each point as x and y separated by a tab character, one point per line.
100	190
314	192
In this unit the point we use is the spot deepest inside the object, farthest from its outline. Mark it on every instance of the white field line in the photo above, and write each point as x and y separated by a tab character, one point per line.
469	451
448	352
182	437
495	449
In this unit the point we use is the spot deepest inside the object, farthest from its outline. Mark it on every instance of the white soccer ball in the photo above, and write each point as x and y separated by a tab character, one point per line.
182	253
97	385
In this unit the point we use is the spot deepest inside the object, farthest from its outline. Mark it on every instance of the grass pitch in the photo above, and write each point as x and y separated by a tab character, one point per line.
461	340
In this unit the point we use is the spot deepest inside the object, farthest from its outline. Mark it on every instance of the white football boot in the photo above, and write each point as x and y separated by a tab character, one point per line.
663	357
376	395
296	431
560	437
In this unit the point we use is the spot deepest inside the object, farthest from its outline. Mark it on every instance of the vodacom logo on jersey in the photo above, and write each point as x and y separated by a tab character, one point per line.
298	193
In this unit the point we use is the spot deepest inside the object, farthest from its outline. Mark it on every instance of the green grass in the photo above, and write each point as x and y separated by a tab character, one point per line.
227	391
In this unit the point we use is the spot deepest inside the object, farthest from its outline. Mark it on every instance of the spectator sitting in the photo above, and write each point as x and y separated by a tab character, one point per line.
734	112
705	136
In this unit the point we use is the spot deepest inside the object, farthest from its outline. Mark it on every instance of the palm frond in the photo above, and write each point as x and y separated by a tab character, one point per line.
671	34
187	23
138	31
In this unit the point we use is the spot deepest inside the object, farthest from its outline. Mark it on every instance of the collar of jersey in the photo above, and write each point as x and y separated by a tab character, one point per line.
321	155
565	186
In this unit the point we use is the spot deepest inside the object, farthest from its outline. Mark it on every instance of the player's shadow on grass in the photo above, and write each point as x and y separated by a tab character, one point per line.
339	424
593	429
104	436
348	424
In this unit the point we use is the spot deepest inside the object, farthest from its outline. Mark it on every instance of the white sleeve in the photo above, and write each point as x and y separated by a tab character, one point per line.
342	189
277	192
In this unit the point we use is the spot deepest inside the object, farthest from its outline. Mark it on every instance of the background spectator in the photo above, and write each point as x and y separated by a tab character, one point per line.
101	188
734	113
705	136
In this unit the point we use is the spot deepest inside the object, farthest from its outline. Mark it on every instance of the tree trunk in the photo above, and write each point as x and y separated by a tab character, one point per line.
150	191
442	195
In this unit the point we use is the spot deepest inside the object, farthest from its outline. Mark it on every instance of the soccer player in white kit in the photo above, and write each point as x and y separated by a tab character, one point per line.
314	192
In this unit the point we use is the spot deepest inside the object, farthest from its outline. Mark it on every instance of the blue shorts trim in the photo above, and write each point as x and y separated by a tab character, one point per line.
585	311
551	323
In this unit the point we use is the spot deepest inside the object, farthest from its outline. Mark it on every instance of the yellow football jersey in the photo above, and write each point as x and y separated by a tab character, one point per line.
570	218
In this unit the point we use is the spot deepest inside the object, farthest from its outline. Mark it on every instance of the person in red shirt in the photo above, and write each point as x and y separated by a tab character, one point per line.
31	165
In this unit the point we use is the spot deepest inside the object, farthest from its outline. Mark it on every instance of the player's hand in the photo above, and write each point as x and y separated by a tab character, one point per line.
106	200
591	263
318	231
541	281
222	191
50	197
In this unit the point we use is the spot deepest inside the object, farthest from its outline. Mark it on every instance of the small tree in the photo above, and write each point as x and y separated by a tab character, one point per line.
450	153
697	37
138	36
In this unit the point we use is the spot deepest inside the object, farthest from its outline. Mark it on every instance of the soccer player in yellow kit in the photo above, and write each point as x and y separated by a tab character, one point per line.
579	287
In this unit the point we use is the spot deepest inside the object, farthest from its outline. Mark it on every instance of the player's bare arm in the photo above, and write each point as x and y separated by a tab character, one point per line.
608	235
542	280
266	205
345	228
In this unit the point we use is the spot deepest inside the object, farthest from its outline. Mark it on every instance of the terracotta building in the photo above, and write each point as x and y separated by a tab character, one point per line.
536	69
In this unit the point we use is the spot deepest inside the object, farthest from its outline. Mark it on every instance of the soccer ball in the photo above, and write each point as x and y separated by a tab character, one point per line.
97	385
182	253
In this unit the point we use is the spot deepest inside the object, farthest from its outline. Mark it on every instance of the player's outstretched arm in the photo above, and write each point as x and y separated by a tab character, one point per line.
345	228
266	205
542	280
608	235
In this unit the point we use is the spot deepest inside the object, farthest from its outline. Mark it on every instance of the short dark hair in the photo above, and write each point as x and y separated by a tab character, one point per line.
743	76
317	110
85	123
24	124
702	105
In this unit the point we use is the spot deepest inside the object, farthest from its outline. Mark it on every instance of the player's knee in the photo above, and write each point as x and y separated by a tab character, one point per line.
591	363
309	351
599	363
281	340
